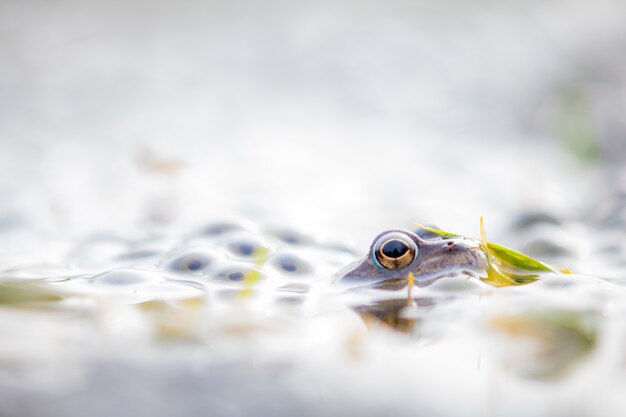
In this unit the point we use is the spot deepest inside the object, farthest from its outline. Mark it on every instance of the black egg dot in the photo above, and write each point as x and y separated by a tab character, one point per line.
394	249
190	263
235	276
288	265
292	264
195	264
294	240
246	249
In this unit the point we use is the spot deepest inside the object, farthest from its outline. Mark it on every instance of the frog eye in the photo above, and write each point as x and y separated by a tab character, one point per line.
394	250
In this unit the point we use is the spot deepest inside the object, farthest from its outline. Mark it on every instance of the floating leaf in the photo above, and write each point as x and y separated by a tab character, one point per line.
20	294
516	259
506	264
511	257
509	267
436	231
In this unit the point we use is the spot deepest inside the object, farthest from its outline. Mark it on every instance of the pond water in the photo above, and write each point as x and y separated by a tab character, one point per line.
181	185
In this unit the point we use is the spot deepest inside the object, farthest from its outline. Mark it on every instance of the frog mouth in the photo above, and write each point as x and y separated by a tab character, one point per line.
355	276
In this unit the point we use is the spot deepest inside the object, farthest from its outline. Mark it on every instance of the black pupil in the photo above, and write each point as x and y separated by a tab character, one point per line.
394	249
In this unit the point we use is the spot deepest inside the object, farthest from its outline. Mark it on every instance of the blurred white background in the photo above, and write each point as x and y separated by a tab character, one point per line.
337	117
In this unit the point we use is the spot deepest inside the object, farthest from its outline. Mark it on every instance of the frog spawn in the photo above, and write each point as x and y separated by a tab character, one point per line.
225	276
233	262
224	264
236	281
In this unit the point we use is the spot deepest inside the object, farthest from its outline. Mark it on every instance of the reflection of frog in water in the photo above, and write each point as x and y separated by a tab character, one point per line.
396	253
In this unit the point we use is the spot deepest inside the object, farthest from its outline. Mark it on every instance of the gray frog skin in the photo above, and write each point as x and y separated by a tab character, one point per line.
433	258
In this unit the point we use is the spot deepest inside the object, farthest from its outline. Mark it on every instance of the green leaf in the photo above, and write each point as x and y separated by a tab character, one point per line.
16	293
436	231
516	259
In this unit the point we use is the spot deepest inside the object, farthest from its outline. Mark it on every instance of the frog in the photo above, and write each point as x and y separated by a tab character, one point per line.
397	253
398	258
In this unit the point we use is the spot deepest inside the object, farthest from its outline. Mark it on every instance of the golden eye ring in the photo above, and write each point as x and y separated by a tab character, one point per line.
394	250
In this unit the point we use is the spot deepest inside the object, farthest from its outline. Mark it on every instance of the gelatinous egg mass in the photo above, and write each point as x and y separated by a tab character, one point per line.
191	262
125	277
291	236
238	273
220	228
292	264
246	248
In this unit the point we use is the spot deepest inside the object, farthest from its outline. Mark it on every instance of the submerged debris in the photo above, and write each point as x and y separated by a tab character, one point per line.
546	344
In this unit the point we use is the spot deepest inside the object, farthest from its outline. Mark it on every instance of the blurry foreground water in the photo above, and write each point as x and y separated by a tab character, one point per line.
130	134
